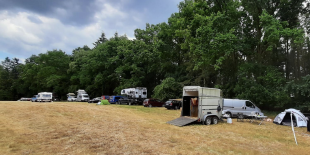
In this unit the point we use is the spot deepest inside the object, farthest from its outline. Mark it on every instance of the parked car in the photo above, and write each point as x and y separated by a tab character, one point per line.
24	99
107	97
124	100
71	98
95	100
34	98
153	103
173	104
114	99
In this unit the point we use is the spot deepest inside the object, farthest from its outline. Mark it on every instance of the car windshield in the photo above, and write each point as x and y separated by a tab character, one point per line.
168	101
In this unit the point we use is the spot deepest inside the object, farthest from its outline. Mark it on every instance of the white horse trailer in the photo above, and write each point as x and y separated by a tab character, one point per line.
200	104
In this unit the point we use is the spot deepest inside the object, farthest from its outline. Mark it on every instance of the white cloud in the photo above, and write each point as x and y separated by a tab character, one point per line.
26	33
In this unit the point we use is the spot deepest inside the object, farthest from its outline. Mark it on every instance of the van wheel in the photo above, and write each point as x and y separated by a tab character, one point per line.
150	105
208	121
229	115
215	120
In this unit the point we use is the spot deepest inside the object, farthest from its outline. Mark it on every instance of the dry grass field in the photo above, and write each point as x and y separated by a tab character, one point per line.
82	128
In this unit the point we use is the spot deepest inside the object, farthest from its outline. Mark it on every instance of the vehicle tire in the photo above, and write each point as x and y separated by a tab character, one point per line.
150	105
215	120
208	121
229	115
176	107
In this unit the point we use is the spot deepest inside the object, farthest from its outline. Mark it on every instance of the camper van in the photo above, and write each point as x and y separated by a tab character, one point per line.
82	96
45	97
71	97
133	95
200	104
234	106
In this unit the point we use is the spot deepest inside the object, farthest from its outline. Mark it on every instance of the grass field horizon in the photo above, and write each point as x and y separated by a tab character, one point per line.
82	128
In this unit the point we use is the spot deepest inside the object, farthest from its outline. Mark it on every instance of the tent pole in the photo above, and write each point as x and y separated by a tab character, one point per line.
293	128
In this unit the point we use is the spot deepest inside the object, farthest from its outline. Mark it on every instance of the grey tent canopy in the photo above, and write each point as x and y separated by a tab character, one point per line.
284	118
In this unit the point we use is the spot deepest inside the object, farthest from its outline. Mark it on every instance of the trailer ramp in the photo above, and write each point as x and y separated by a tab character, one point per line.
181	121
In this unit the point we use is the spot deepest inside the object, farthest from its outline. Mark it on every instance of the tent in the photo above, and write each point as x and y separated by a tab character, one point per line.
103	102
284	118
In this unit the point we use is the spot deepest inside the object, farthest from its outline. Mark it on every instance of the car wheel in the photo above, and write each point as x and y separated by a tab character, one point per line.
208	121
150	105
176	107
215	120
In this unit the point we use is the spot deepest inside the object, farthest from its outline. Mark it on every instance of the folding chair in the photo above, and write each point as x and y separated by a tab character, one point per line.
240	117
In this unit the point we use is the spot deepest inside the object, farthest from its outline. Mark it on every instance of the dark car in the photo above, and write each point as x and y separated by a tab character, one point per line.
153	103
114	99
173	104
124	100
95	100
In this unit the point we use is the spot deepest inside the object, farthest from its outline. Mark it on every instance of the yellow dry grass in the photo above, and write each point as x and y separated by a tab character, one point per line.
81	128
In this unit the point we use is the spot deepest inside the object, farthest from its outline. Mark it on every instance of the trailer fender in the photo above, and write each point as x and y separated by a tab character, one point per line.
205	116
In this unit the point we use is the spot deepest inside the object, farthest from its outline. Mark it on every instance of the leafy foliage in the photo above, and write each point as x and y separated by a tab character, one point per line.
168	89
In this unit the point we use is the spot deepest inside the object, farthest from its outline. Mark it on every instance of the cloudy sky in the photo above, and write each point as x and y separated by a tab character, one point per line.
30	27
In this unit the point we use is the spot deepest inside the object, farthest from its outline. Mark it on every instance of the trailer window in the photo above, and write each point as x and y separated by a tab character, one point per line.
85	95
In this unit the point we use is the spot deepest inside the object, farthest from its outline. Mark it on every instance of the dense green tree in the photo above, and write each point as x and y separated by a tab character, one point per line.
168	89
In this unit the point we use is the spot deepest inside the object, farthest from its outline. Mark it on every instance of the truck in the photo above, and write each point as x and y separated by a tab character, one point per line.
133	95
82	96
200	104
45	97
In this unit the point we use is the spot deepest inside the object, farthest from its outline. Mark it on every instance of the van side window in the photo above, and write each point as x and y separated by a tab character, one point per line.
249	104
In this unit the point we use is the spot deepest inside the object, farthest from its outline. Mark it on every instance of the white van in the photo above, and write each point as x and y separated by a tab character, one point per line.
234	106
82	96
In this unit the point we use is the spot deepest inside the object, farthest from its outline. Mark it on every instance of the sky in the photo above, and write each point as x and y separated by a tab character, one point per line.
30	27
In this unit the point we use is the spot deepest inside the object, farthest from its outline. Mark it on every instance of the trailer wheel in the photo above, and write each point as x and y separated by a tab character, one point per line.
215	120
208	121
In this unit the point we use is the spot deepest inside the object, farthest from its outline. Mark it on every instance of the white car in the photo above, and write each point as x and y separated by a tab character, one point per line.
71	98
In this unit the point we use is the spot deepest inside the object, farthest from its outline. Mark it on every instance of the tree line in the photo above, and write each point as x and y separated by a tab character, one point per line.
257	50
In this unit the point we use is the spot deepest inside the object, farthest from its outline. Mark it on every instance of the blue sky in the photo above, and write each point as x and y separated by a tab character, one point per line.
30	27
